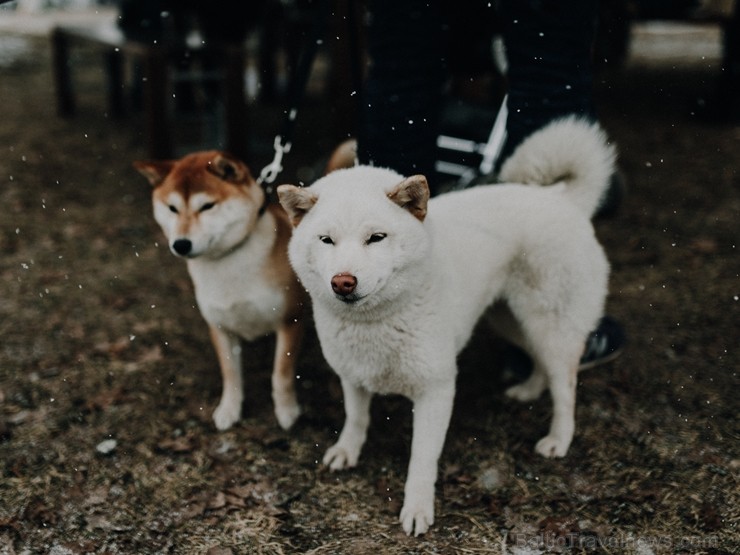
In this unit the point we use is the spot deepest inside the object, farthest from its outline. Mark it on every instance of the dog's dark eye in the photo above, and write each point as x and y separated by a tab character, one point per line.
376	238
207	206
173	209
326	239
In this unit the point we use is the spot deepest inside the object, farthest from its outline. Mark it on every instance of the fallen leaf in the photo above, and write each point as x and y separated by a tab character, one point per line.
218	501
182	444
559	532
223	450
704	245
19	417
153	354
40	513
104	399
711	519
234	500
114	349
243	491
193	508
96	497
100	522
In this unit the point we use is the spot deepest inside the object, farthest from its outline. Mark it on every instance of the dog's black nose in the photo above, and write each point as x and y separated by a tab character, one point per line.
343	284
182	246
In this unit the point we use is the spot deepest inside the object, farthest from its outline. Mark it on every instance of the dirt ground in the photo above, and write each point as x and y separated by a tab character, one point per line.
100	340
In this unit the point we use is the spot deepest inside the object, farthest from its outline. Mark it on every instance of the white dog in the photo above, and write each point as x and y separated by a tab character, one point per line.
399	281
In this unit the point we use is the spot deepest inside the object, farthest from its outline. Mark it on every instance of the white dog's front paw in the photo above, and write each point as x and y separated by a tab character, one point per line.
551	446
417	516
339	457
287	414
227	413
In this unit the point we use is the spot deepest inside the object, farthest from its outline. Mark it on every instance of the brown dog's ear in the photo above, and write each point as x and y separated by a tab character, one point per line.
412	194
296	201
155	171
229	169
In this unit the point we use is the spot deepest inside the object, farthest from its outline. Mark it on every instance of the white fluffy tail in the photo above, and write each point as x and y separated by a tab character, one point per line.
570	150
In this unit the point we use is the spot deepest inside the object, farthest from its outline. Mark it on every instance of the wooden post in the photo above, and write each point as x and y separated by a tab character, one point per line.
62	84
114	69
155	103
235	103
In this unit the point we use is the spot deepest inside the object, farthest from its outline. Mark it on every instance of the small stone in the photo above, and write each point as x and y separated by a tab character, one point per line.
106	447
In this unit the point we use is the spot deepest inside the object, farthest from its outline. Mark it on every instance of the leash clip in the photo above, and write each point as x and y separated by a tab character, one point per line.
271	170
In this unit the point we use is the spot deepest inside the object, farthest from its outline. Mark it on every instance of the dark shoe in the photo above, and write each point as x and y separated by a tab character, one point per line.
603	345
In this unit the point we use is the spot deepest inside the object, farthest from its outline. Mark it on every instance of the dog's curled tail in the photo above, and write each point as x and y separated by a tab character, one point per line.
572	150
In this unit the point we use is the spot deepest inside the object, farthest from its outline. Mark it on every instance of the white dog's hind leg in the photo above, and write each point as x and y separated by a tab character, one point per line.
562	426
228	350
284	398
558	355
505	324
432	413
346	451
530	389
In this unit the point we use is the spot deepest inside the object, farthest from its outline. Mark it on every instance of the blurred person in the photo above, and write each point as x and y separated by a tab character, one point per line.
548	46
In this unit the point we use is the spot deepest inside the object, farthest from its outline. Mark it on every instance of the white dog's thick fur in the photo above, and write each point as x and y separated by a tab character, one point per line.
398	284
216	216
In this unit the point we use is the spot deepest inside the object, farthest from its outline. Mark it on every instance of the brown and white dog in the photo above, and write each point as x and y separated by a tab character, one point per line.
216	216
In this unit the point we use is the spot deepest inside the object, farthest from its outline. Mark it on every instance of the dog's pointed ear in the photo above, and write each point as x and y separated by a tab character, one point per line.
296	201
229	169
154	171
412	194
344	156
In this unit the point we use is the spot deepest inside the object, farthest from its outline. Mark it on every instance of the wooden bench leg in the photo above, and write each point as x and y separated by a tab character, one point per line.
114	69
155	104
235	104
62	83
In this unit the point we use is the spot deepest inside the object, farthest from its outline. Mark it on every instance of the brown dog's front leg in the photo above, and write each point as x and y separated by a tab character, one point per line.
229	352
288	344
